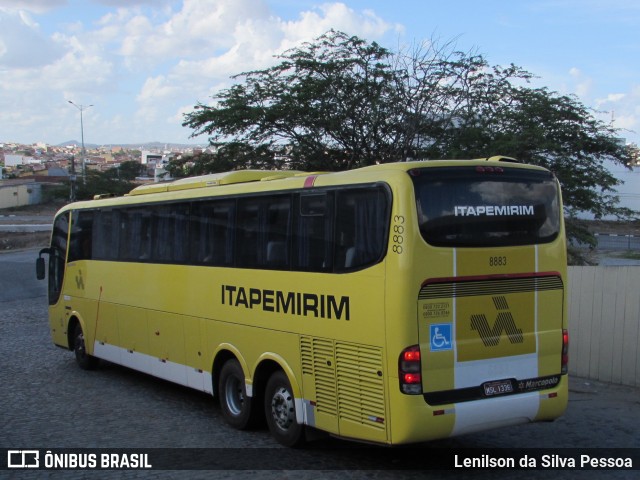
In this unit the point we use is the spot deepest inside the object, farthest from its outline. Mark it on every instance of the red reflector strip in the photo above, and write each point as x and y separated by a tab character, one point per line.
437	413
309	181
553	395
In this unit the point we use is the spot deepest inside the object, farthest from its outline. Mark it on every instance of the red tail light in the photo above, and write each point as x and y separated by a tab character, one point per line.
411	355
411	378
565	352
410	371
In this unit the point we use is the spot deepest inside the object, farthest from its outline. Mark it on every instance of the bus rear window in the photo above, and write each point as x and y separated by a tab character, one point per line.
482	207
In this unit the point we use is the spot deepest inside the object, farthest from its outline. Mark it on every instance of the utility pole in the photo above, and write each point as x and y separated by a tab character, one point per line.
72	180
84	152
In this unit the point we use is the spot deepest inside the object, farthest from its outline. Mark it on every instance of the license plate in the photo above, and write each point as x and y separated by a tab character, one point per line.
498	388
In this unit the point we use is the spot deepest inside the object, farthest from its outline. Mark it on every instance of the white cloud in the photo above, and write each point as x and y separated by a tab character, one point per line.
626	111
582	85
337	16
36	6
142	67
612	98
22	45
623	109
199	28
157	89
236	36
130	3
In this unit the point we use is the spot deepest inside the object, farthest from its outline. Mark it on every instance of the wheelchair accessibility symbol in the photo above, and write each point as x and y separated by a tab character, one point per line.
440	335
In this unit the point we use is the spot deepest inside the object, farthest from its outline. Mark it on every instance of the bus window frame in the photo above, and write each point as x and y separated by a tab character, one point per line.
115	215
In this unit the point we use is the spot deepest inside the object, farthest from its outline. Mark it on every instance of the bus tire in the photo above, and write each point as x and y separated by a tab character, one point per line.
280	411
83	359
237	406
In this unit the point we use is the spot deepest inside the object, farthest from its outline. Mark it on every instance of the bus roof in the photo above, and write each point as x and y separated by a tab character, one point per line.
235	181
214	179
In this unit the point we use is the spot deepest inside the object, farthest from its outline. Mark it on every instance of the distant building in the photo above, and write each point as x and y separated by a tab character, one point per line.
18	193
11	160
150	158
57	172
160	174
634	154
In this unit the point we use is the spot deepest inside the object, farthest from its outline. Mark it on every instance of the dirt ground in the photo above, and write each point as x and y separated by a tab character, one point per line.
42	209
31	214
19	240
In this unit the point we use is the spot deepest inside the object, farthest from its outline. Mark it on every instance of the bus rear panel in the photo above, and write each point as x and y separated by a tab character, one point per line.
489	275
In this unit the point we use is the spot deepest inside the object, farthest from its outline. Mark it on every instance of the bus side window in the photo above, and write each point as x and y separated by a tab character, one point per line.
361	227
264	230
248	233
313	239
106	234
135	239
201	229
80	246
211	232
169	230
277	227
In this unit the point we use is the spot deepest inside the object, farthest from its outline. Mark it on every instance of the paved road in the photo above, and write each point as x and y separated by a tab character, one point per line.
47	402
42	227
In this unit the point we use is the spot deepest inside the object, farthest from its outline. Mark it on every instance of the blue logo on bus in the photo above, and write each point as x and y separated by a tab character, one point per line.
440	335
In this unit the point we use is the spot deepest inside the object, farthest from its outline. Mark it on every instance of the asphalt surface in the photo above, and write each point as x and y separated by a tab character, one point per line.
49	403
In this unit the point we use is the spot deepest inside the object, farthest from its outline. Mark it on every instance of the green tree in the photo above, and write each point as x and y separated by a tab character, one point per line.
115	181
227	156
127	170
340	102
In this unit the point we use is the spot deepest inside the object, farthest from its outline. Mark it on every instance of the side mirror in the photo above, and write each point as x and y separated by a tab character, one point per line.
40	265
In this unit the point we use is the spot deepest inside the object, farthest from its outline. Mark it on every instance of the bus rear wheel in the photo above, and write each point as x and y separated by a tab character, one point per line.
83	359
237	406
280	411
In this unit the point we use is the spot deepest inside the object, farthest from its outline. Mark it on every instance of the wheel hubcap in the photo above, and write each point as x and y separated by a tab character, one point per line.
80	344
283	408
234	395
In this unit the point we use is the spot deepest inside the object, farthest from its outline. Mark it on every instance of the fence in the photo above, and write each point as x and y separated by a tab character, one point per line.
609	241
604	323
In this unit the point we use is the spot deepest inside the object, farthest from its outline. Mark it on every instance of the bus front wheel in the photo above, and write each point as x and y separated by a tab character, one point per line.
237	407
84	360
280	411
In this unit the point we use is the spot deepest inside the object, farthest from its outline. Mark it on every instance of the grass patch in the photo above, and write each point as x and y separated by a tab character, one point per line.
629	255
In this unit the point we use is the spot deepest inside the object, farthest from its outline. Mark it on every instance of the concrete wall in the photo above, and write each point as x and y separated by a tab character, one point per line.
604	323
17	195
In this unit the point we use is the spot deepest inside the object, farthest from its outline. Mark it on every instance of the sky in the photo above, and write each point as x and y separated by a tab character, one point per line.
136	66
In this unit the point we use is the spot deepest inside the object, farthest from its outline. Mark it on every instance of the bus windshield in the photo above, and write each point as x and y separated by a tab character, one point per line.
486	206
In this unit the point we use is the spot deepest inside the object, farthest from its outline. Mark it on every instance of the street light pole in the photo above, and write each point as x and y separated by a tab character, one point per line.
84	152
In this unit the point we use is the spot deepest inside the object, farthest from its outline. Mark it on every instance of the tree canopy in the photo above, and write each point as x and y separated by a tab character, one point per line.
117	181
341	102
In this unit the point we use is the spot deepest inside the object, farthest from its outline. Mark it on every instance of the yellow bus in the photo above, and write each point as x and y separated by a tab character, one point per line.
393	304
